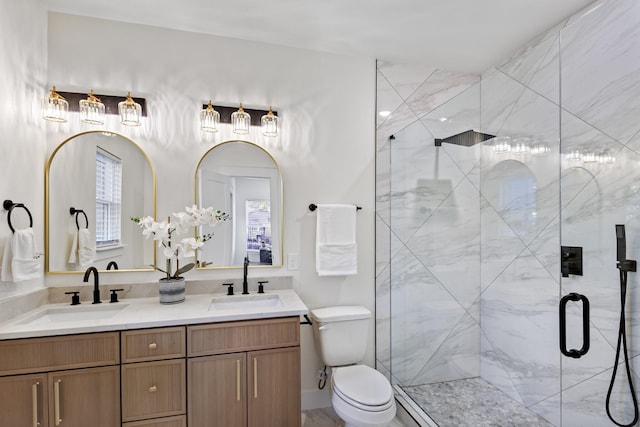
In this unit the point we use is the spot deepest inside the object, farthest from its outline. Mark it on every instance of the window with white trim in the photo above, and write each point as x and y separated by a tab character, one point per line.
258	224
108	198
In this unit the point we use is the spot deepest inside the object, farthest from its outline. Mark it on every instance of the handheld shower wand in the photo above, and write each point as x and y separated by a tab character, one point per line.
624	265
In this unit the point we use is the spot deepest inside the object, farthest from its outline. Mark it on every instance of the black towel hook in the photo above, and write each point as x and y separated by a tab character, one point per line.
74	211
9	206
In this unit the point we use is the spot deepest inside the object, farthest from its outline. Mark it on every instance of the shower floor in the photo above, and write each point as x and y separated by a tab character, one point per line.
472	402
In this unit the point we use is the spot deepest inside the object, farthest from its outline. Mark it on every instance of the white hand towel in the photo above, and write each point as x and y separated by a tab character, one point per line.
73	253
21	259
83	251
336	248
86	247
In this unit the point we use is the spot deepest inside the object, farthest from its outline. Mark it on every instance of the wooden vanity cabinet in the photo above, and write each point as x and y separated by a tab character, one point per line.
244	373
154	377
218	390
274	376
85	397
228	374
48	382
23	400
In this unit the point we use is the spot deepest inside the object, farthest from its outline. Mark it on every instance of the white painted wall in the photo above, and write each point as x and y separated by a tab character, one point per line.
23	147
325	151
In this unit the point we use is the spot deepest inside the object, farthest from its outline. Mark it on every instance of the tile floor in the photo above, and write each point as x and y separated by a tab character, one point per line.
326	417
472	402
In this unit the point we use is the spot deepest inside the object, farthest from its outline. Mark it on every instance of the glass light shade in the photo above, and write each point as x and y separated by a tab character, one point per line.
269	124
209	119
54	107
539	148
240	122
520	146
606	158
574	155
502	144
589	157
92	110
130	112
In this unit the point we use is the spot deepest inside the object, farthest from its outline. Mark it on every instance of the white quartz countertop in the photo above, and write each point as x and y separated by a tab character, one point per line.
137	313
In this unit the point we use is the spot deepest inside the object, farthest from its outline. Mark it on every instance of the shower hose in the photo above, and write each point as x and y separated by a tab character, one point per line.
622	339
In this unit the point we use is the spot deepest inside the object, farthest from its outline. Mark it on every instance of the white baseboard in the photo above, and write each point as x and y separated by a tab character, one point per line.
314	399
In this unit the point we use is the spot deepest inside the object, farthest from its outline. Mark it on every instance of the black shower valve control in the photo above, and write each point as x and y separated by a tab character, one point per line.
571	260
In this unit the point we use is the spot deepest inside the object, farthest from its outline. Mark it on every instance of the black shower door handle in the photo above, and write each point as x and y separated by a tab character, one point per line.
576	354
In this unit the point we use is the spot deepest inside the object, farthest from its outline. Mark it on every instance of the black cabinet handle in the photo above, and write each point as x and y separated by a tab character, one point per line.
574	353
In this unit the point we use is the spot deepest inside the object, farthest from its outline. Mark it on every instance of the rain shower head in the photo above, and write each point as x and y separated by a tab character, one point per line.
466	139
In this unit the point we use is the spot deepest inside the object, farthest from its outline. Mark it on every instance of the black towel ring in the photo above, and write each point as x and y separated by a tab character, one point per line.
9	206
74	211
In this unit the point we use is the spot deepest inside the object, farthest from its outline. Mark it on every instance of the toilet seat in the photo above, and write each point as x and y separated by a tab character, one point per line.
362	387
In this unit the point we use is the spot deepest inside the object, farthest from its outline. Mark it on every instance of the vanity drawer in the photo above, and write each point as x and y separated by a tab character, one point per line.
153	344
228	337
153	389
62	352
160	422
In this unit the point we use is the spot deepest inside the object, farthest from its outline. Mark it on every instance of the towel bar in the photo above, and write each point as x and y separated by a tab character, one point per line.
74	211
313	207
9	206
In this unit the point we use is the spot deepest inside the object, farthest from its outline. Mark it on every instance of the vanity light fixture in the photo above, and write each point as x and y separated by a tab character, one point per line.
55	107
129	111
574	155
520	145
269	124
502	145
539	148
209	119
240	121
92	110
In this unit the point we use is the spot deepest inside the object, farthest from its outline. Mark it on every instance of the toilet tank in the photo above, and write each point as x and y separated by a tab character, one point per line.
341	333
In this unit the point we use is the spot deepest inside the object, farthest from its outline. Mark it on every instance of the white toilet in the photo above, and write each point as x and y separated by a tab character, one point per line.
360	395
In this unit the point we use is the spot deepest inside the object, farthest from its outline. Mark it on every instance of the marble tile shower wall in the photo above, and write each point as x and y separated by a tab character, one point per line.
428	218
468	239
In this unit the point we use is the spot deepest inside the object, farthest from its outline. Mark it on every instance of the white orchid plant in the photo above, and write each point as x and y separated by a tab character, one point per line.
166	232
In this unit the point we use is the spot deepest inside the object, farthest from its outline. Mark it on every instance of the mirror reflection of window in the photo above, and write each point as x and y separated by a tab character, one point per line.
259	230
108	198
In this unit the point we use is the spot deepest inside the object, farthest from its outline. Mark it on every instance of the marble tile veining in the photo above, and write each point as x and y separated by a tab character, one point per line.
472	402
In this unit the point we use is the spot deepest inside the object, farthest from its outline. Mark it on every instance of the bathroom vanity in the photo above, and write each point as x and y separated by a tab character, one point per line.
211	361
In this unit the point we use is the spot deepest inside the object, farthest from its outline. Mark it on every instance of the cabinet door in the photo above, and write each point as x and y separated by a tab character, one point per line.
85	397
23	401
217	391
274	388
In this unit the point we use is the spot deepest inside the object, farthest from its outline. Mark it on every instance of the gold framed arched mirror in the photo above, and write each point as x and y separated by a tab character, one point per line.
244	180
95	182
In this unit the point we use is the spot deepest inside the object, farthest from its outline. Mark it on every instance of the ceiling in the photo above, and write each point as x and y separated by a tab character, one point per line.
458	35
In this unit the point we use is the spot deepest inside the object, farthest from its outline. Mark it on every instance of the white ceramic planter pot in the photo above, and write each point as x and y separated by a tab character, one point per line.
171	291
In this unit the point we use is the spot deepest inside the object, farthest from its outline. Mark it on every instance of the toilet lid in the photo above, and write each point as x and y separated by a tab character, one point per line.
362	385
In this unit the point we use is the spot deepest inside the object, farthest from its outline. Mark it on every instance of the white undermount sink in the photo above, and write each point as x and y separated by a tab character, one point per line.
245	302
73	314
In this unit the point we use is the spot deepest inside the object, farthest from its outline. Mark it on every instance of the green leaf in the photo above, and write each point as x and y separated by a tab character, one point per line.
184	269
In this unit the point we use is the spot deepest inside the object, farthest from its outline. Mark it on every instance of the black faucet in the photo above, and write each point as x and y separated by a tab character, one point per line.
112	264
96	287
245	291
